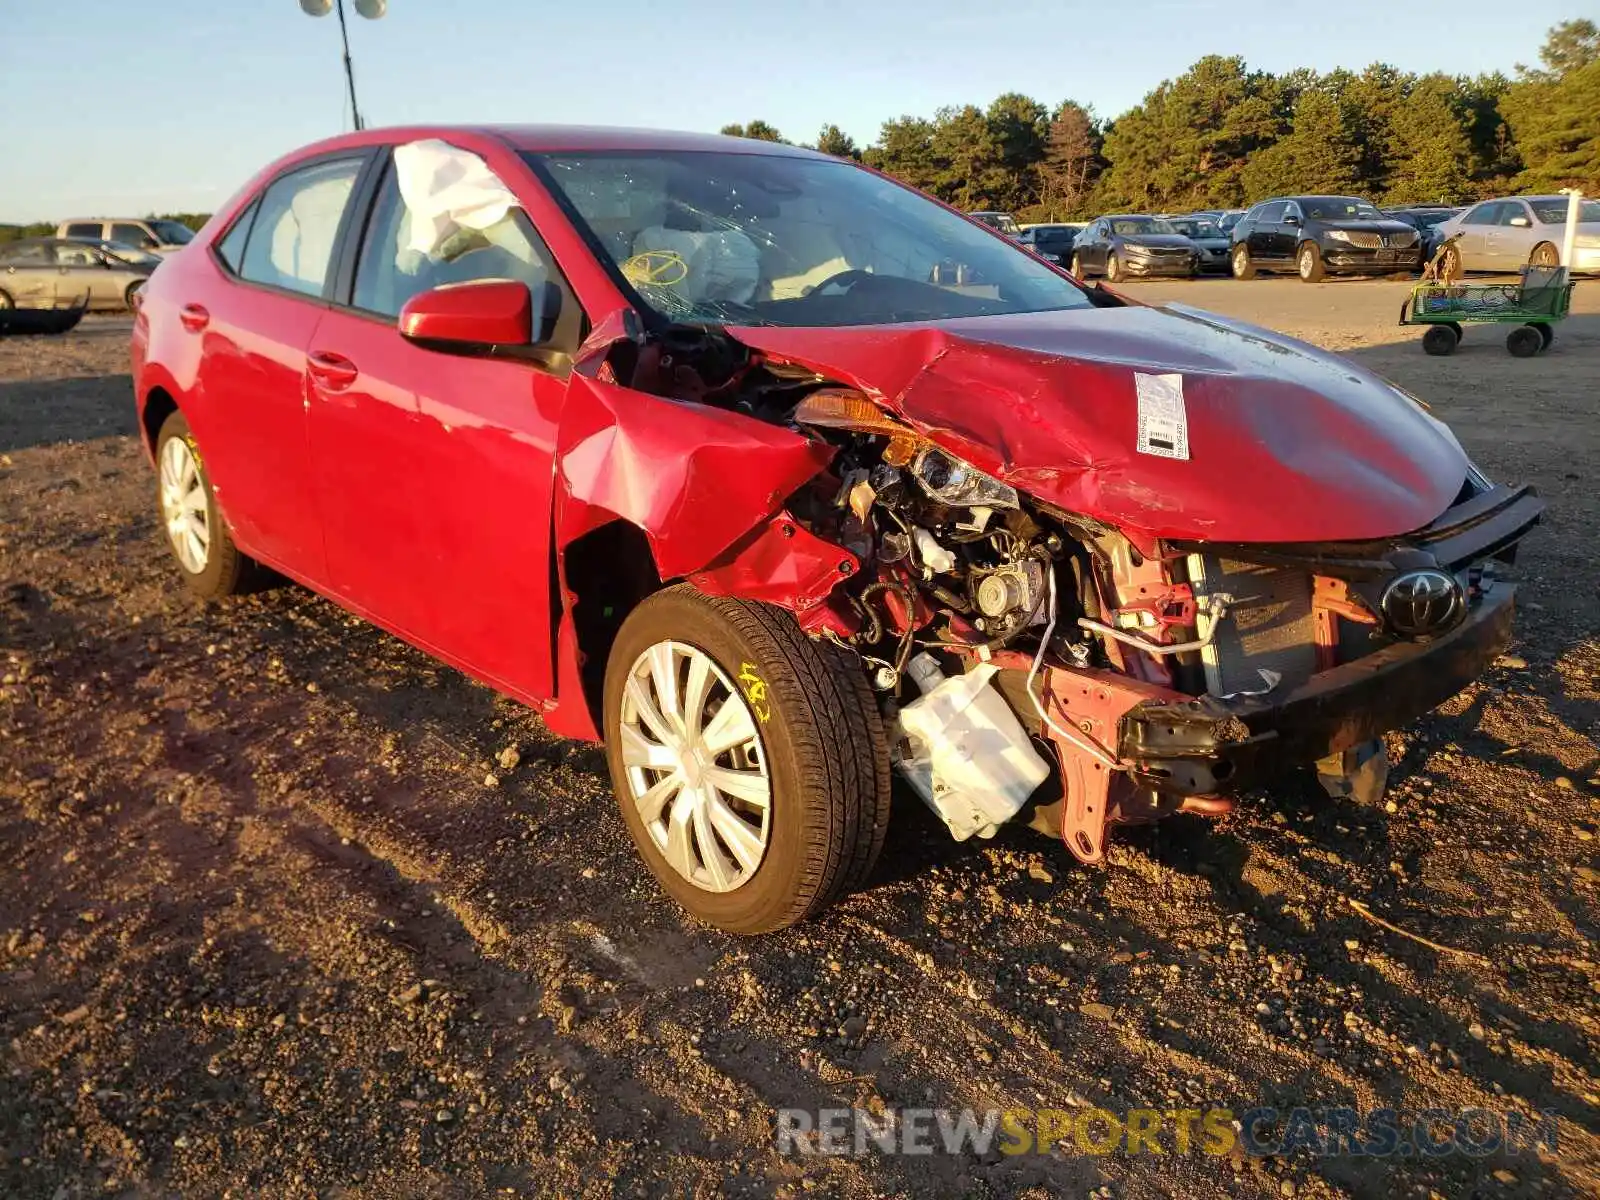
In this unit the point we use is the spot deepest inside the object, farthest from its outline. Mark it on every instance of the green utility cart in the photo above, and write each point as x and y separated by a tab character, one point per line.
1534	304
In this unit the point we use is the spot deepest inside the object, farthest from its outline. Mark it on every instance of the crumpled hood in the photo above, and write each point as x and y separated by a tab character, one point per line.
1286	443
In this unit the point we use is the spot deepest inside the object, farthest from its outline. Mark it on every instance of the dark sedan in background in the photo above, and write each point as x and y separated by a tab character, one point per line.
1425	219
1133	244
1053	243
69	272
1209	237
1315	236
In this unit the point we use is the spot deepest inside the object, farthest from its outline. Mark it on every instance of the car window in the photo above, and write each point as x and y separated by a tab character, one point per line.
1271	214
393	266
1554	212
297	221
1509	211
1484	214
69	254
25	254
84	229
131	234
230	247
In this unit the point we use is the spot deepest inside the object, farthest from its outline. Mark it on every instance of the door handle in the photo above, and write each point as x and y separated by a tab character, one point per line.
193	317
334	372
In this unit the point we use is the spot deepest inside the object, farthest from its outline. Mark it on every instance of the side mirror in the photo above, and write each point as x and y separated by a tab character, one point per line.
474	317
1521	222
1291	219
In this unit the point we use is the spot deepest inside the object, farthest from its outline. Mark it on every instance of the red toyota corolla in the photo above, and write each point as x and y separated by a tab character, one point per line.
781	476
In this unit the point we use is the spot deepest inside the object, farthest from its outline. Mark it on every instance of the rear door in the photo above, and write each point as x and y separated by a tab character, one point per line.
1264	233
28	275
254	309
435	471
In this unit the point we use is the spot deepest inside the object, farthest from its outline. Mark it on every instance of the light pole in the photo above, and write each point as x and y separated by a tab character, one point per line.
372	10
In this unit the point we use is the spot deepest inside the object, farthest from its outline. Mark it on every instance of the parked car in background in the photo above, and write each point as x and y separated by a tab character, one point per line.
1212	242
1002	221
1133	244
68	271
1229	217
1053	243
1315	236
1425	219
1502	235
142	233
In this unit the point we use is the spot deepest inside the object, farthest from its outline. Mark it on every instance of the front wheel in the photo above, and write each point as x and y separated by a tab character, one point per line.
1114	269
1309	263
749	761
1077	267
196	533
129	297
1243	267
1545	255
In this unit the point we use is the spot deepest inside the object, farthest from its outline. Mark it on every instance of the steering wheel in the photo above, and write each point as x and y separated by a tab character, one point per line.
853	275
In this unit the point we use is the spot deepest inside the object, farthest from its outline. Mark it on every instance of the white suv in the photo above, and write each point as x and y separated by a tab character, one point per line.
142	233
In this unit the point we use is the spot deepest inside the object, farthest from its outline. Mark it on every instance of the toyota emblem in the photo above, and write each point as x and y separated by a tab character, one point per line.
1422	603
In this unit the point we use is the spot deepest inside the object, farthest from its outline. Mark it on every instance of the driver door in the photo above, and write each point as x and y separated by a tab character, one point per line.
435	471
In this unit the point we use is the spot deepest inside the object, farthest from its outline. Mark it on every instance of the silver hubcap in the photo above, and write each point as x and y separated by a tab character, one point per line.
1305	263
183	505
1239	262
697	774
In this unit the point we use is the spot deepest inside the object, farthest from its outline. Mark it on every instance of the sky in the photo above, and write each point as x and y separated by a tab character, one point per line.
118	107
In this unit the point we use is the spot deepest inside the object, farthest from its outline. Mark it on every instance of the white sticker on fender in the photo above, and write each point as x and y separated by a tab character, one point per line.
1163	421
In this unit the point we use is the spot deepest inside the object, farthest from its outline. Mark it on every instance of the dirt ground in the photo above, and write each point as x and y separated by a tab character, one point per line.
280	916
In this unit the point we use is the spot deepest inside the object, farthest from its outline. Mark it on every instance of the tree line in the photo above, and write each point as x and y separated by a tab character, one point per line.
1223	136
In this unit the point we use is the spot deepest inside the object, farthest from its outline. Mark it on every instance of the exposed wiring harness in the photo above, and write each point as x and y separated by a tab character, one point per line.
1082	741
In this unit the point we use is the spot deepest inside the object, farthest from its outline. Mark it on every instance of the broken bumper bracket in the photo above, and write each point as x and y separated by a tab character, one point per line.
1206	746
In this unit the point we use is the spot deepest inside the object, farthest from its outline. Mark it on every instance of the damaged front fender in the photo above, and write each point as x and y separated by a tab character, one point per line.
693	478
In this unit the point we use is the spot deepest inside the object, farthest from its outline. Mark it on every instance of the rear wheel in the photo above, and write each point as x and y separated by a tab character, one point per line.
196	533
1243	267
1544	255
749	761
1114	269
1309	263
1524	341
1439	341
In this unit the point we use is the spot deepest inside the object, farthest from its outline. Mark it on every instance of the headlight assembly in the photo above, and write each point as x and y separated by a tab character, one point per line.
1338	235
951	481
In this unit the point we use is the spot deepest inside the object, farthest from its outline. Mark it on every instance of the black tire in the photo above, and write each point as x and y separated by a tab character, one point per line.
1524	341
1455	328
1546	335
1308	263
822	741
1439	341
1076	269
1240	262
1113	269
1545	255
228	570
